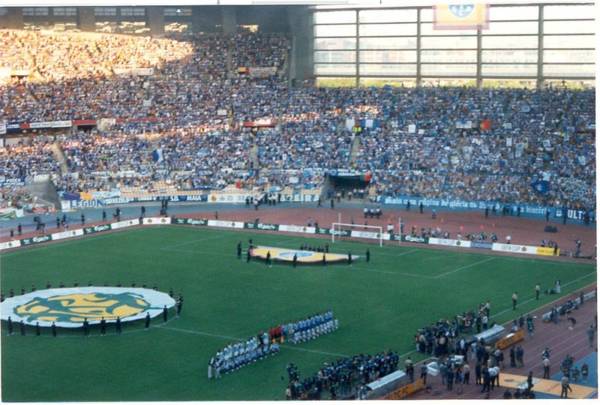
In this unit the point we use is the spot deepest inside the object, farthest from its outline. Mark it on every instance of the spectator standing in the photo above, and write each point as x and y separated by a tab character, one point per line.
546	365
467	373
519	354
565	387
585	372
591	332
530	381
424	373
409	368
450	379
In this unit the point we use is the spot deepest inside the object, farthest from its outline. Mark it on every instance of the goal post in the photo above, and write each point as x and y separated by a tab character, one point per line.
340	229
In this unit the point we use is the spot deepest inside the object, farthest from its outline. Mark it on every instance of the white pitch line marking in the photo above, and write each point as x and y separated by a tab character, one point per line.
489	259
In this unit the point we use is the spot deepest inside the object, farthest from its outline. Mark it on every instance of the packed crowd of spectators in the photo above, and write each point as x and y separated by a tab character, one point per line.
15	197
264	50
102	160
68	72
451	143
443	337
25	159
516	138
342	378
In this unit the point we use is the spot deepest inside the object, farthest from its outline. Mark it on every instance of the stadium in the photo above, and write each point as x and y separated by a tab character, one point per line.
297	200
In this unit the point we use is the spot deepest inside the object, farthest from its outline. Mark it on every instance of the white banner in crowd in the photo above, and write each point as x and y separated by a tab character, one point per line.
133	71
50	124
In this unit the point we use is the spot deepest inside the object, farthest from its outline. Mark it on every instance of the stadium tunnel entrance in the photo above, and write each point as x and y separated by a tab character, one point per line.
347	182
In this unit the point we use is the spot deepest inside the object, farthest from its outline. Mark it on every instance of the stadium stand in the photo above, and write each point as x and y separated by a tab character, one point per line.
193	104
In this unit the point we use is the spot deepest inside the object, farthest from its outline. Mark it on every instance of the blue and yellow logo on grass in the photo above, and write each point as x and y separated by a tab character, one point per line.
69	307
77	307
302	256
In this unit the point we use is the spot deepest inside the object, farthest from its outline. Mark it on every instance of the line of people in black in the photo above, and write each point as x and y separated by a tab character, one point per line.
342	378
307	247
372	212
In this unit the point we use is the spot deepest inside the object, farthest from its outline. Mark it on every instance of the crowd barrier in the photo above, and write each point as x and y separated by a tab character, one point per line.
499	247
398	380
586	297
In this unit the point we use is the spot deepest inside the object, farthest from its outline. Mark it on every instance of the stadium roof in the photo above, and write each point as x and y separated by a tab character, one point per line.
317	3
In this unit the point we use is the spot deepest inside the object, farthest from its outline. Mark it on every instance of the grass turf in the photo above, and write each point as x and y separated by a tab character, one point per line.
380	305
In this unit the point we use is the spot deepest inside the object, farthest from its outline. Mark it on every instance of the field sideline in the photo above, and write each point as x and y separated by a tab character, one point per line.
379	305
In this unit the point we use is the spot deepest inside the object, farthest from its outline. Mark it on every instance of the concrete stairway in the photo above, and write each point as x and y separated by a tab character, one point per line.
45	191
354	150
59	155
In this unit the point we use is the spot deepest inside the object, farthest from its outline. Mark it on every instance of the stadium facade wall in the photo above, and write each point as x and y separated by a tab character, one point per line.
529	210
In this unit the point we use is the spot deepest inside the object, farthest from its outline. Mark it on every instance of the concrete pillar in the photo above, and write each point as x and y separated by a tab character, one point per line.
13	19
155	17
206	18
419	78
302	56
540	50
229	20
357	50
478	79
86	19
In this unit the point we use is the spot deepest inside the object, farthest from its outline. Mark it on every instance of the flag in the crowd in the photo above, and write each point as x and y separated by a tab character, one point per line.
86	196
157	155
460	16
369	123
2	127
486	124
541	186
460	124
349	123
69	196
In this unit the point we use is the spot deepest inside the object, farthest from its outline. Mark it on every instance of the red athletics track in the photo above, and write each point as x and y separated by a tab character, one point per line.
558	338
522	230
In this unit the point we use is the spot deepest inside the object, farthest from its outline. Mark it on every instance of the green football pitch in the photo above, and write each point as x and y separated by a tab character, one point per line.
379	306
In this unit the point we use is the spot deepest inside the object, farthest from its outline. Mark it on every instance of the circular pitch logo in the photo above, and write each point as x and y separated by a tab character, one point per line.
69	307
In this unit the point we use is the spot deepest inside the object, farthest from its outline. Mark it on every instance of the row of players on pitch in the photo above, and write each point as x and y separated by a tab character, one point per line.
236	355
307	329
